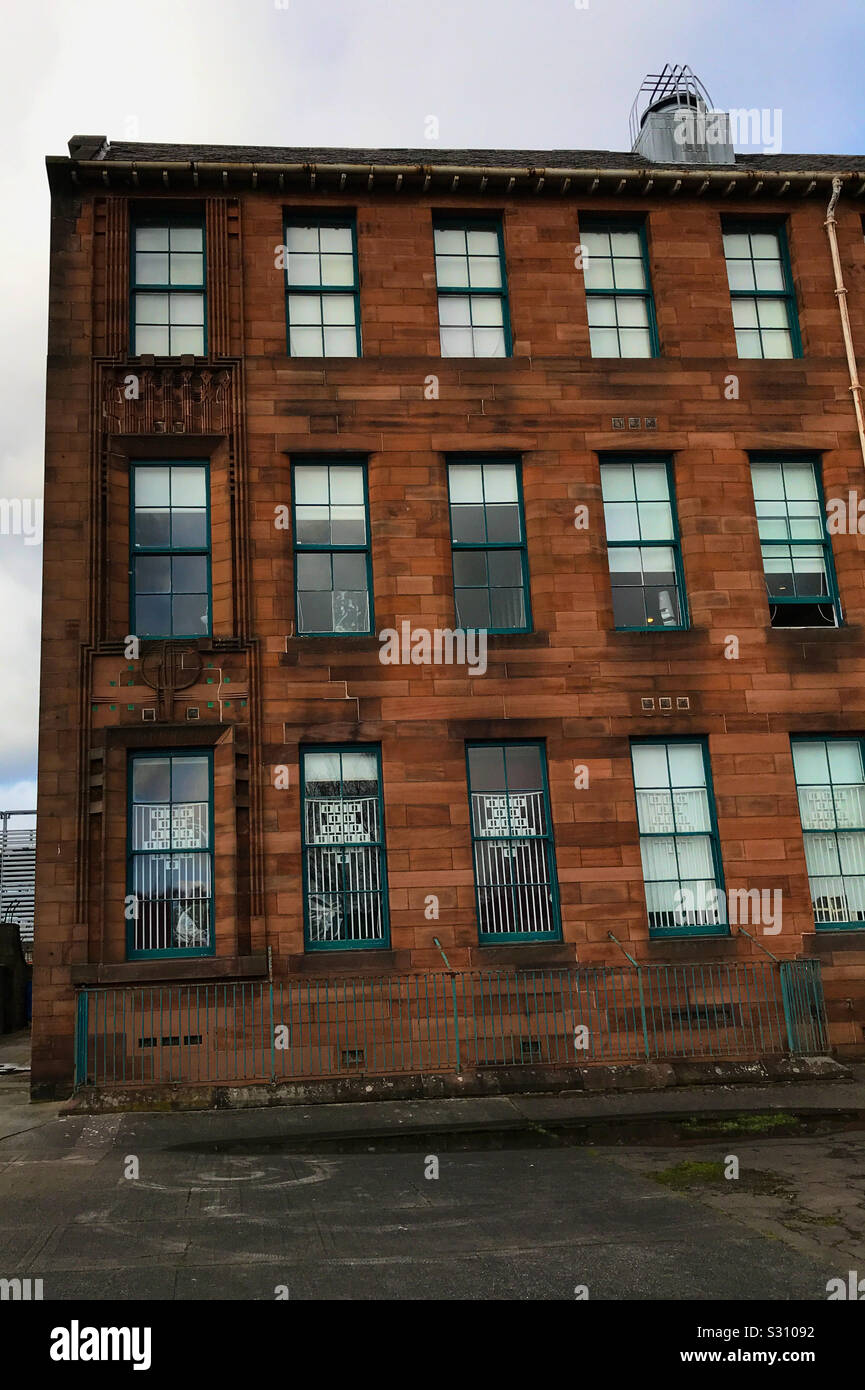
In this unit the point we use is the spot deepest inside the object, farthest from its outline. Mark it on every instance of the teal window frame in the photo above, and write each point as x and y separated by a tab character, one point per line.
449	222
786	295
721	927
169	550
171	222
134	952
855	810
342	222
487	547
674	544
590	223
311	548
510	842
344	848
803	544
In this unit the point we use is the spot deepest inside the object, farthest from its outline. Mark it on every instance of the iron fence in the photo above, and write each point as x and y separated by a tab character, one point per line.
448	1021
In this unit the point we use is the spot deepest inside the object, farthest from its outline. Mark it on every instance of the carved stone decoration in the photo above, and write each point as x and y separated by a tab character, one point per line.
167	400
168	667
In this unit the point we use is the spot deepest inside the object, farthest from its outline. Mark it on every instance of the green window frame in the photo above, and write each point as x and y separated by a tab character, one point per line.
830	785
644	552
345	898
169	909
680	848
619	301
170	560
472	285
332	556
168	279
322	286
801	584
488	544
762	294
513	851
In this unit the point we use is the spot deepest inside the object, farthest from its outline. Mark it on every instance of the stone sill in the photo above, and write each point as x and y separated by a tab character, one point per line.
188	968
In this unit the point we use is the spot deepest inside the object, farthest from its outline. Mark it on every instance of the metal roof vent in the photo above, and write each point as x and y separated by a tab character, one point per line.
673	121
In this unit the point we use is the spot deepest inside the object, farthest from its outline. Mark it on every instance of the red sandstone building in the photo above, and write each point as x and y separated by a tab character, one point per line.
314	416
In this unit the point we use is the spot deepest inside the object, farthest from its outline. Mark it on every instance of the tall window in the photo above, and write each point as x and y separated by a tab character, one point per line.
472	289
323	296
797	552
643	545
333	570
170	875
491	573
831	784
678	838
168	280
345	877
618	289
512	839
761	290
170	550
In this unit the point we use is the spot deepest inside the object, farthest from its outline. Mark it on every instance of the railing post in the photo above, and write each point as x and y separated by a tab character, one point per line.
639	970
81	1025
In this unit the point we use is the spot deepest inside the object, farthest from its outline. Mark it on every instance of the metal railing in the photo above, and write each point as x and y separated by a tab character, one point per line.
18	872
447	1021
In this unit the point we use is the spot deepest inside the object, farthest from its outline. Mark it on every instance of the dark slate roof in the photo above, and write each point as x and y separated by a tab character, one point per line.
124	151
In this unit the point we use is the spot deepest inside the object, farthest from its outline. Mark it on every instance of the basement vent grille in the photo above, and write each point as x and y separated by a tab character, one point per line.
352	1058
173	1040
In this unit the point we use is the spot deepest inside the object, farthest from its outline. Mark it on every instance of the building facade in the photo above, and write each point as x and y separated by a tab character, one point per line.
449	556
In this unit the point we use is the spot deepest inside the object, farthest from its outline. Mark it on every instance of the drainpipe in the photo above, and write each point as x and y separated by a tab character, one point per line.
841	296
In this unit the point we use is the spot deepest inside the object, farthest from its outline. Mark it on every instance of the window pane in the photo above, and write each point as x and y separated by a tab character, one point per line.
472	607
188	573
465	482
500	482
190	614
153	574
152	528
151	487
151	779
188	486
617	482
650	765
152	616
487	769
151	238
189	529
190	779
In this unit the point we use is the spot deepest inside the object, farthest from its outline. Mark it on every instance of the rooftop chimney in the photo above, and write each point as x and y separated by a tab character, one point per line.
673	121
87	146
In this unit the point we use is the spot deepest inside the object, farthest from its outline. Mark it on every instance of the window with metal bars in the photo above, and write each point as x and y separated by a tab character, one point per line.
794	540
679	844
169	303
170	530
333	567
472	288
761	289
344	868
646	573
322	287
490	562
169	907
516	888
830	782
619	299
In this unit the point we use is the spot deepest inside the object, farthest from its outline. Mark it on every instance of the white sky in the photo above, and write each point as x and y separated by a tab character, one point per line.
496	73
